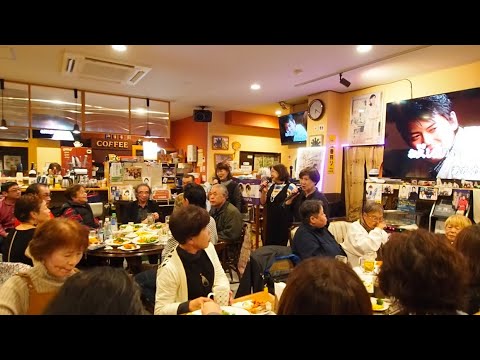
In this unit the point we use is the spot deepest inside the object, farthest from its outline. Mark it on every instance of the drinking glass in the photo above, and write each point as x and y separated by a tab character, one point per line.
341	258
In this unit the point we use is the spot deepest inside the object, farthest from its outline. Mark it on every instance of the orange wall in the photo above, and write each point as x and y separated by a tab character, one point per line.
188	132
250	119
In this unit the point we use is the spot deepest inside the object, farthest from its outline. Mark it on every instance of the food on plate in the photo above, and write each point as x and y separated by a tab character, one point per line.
379	304
147	239
156	226
129	246
126	228
119	241
256	306
227	313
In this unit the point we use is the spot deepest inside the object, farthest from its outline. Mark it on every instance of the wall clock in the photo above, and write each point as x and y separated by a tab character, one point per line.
316	109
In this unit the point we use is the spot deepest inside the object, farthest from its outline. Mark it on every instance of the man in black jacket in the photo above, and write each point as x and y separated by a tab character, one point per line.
137	211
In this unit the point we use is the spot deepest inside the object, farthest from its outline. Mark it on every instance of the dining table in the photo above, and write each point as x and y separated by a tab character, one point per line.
133	257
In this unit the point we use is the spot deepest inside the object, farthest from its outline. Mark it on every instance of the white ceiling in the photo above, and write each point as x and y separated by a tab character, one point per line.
219	76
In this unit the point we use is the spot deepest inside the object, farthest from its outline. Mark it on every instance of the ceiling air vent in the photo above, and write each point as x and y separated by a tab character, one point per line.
89	67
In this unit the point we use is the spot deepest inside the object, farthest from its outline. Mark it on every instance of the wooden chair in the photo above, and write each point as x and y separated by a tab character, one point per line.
229	254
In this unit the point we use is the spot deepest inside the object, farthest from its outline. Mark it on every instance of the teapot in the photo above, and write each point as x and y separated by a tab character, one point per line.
66	182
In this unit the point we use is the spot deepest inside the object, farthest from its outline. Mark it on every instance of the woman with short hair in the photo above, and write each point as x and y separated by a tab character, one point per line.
56	248
77	207
324	286
31	211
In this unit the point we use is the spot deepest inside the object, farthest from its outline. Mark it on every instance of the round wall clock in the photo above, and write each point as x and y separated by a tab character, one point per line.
316	109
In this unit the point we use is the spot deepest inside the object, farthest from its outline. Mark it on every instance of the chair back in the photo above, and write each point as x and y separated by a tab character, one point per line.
97	209
8	269
339	230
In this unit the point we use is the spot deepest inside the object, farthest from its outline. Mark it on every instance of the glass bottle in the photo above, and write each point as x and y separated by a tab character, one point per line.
32	175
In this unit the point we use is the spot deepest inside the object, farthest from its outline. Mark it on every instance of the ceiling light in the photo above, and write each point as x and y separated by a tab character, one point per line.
364	48
255	87
76	128
344	81
278	112
147	133
121	48
3	125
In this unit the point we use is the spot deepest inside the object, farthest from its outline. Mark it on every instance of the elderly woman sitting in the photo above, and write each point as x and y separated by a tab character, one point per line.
77	207
30	211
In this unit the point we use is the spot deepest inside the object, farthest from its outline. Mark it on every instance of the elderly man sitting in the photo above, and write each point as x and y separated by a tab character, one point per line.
312	237
227	217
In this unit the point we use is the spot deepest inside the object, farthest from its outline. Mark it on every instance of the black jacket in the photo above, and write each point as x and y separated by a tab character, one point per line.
130	212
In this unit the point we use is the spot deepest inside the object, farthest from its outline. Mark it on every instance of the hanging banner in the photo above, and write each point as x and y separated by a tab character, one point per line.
331	159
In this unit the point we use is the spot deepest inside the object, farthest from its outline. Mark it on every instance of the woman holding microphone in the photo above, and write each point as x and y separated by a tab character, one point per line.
272	197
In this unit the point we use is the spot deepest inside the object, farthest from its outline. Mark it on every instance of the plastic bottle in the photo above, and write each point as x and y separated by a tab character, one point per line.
107	229
100	232
113	222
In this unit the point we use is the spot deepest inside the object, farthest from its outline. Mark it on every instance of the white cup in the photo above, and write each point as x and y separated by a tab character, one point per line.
221	295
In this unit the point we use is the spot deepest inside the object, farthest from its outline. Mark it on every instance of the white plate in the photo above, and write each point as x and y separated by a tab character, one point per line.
230	310
136	241
247	305
111	243
385	306
131	236
136	248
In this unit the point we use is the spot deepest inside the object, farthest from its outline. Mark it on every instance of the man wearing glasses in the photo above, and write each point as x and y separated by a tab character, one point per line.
366	234
11	192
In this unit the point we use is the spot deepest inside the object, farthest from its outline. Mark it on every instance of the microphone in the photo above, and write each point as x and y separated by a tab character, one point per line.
267	179
292	195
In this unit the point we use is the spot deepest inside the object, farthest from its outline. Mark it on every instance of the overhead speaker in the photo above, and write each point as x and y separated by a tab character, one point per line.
202	115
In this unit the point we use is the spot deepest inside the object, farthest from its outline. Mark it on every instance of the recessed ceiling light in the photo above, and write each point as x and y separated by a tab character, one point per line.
255	87
364	48
278	112
119	47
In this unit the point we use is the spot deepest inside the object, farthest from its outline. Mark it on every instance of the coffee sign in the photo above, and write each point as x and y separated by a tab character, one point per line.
111	144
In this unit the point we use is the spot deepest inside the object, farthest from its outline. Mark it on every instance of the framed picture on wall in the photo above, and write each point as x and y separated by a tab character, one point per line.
219	142
223	158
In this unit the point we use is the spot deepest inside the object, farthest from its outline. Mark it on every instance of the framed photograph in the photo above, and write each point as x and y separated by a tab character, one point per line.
316	140
223	158
220	142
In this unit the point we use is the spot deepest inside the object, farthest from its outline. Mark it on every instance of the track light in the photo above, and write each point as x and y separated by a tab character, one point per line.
3	125
344	81
147	133
76	128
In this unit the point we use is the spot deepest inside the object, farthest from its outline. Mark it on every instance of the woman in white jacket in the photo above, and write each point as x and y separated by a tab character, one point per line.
188	274
366	234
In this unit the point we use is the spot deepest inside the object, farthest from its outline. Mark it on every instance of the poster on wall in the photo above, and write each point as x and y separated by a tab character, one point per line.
76	158
311	157
367	125
250	189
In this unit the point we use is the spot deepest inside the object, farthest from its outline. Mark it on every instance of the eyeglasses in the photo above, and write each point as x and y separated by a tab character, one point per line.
374	218
205	281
